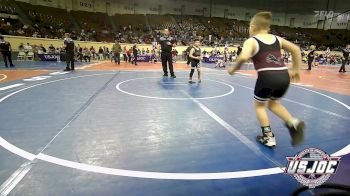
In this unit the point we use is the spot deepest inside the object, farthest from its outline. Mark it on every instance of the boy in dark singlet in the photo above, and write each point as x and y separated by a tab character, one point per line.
273	77
195	57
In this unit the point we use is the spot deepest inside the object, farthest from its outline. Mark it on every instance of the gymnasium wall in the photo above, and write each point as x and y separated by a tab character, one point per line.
17	40
304	20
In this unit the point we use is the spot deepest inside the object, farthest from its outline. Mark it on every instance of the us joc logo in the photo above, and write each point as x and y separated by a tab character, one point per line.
312	167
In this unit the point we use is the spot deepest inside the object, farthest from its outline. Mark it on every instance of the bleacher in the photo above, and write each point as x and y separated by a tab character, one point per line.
122	20
97	24
158	22
7	8
94	26
46	21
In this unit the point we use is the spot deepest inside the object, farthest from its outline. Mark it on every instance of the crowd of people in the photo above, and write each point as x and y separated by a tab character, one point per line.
105	53
84	26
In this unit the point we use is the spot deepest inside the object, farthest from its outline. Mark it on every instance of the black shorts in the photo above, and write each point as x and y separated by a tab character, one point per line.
271	85
195	64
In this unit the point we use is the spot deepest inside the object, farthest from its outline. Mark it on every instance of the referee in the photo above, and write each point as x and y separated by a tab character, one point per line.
5	48
69	46
166	43
311	56
345	58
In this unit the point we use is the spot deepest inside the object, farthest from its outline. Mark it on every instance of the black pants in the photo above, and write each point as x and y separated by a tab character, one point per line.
135	59
167	60
117	57
309	63
125	57
70	59
343	63
7	56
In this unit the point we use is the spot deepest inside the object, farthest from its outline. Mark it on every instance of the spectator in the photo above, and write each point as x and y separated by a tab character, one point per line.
5	48
129	52
117	49
100	54
21	47
51	49
86	55
28	48
135	52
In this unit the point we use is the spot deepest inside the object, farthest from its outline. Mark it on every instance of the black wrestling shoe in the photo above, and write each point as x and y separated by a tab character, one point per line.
296	131
269	141
191	82
67	69
165	75
173	76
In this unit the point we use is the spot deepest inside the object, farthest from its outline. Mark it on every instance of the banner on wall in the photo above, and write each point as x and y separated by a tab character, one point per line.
212	59
85	5
51	57
143	58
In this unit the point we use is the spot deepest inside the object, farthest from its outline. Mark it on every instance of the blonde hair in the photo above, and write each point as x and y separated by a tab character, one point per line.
262	20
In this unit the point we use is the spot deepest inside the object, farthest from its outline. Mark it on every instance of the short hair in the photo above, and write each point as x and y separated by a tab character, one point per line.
262	20
1	37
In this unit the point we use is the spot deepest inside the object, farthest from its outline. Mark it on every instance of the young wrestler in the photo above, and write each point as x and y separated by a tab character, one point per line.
195	56
273	77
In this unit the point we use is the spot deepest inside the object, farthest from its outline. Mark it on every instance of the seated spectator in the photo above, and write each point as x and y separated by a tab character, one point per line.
51	49
87	54
93	52
28	48
42	48
21	47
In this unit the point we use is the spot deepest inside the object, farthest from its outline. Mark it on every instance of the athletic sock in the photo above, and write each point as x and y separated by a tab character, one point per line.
267	131
293	122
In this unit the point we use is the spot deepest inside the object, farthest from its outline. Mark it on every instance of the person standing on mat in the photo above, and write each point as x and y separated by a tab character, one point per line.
166	44
239	50
188	54
273	77
5	48
311	57
345	59
195	56
117	49
135	52
69	47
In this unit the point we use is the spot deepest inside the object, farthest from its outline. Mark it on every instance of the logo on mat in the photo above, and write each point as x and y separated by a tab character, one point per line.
312	167
272	59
